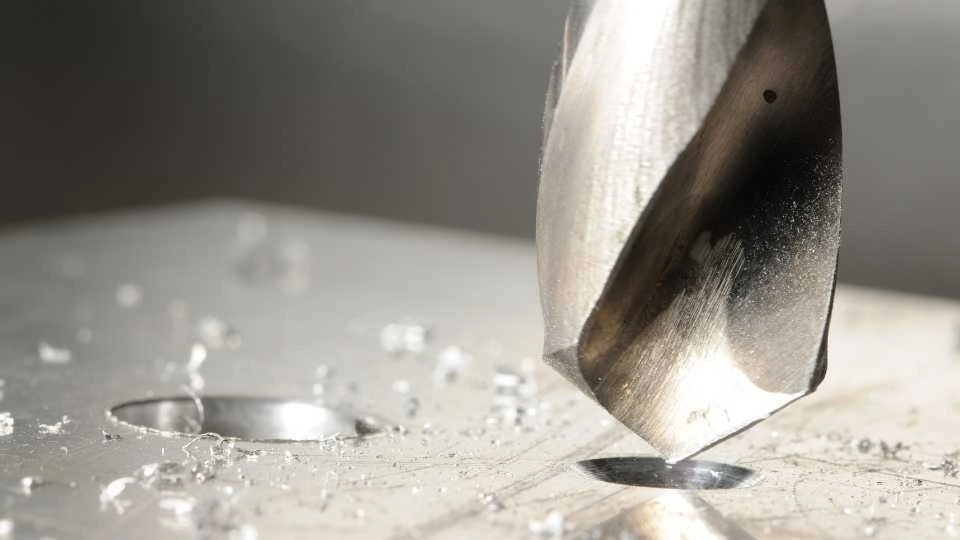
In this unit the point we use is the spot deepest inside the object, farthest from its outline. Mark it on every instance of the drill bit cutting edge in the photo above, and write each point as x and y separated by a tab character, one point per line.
688	218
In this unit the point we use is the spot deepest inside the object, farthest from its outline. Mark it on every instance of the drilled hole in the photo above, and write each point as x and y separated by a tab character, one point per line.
654	472
248	418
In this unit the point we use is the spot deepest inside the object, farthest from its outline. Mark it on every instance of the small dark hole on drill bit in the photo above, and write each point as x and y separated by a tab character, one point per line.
654	472
769	96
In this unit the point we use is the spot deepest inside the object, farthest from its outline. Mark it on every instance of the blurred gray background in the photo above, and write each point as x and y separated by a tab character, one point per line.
423	110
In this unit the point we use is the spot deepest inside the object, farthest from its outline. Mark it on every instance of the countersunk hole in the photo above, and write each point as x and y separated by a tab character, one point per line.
247	418
654	472
769	96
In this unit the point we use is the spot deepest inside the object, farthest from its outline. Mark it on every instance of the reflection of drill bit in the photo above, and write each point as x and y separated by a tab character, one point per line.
670	514
689	211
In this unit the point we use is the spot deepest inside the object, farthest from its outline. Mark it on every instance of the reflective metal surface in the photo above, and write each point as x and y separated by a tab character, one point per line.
245	418
689	212
675	515
651	472
489	452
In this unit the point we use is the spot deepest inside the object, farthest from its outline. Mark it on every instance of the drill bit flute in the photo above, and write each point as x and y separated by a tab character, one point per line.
688	217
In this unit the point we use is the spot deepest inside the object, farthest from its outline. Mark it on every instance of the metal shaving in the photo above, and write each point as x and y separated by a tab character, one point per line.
366	426
53	429
451	362
513	395
163	476
211	517
168	476
110	494
218	334
198	355
250	455
6	424
324	372
220	455
53	355
891	451
553	526
404	338
491	502
948	465
29	483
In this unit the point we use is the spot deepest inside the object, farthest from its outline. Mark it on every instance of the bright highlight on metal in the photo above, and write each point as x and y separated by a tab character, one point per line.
689	211
236	417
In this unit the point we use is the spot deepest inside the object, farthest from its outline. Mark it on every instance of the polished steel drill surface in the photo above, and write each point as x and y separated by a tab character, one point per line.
689	212
120	300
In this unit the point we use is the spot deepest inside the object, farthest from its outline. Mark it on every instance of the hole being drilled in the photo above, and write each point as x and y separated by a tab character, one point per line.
654	472
248	418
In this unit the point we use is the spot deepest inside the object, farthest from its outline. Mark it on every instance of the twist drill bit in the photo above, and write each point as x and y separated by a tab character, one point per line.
688	217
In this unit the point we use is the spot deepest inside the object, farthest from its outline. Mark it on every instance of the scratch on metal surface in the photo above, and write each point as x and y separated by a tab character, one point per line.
511	490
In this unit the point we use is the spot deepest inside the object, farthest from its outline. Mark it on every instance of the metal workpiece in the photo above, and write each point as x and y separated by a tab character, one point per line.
689	212
373	380
677	514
